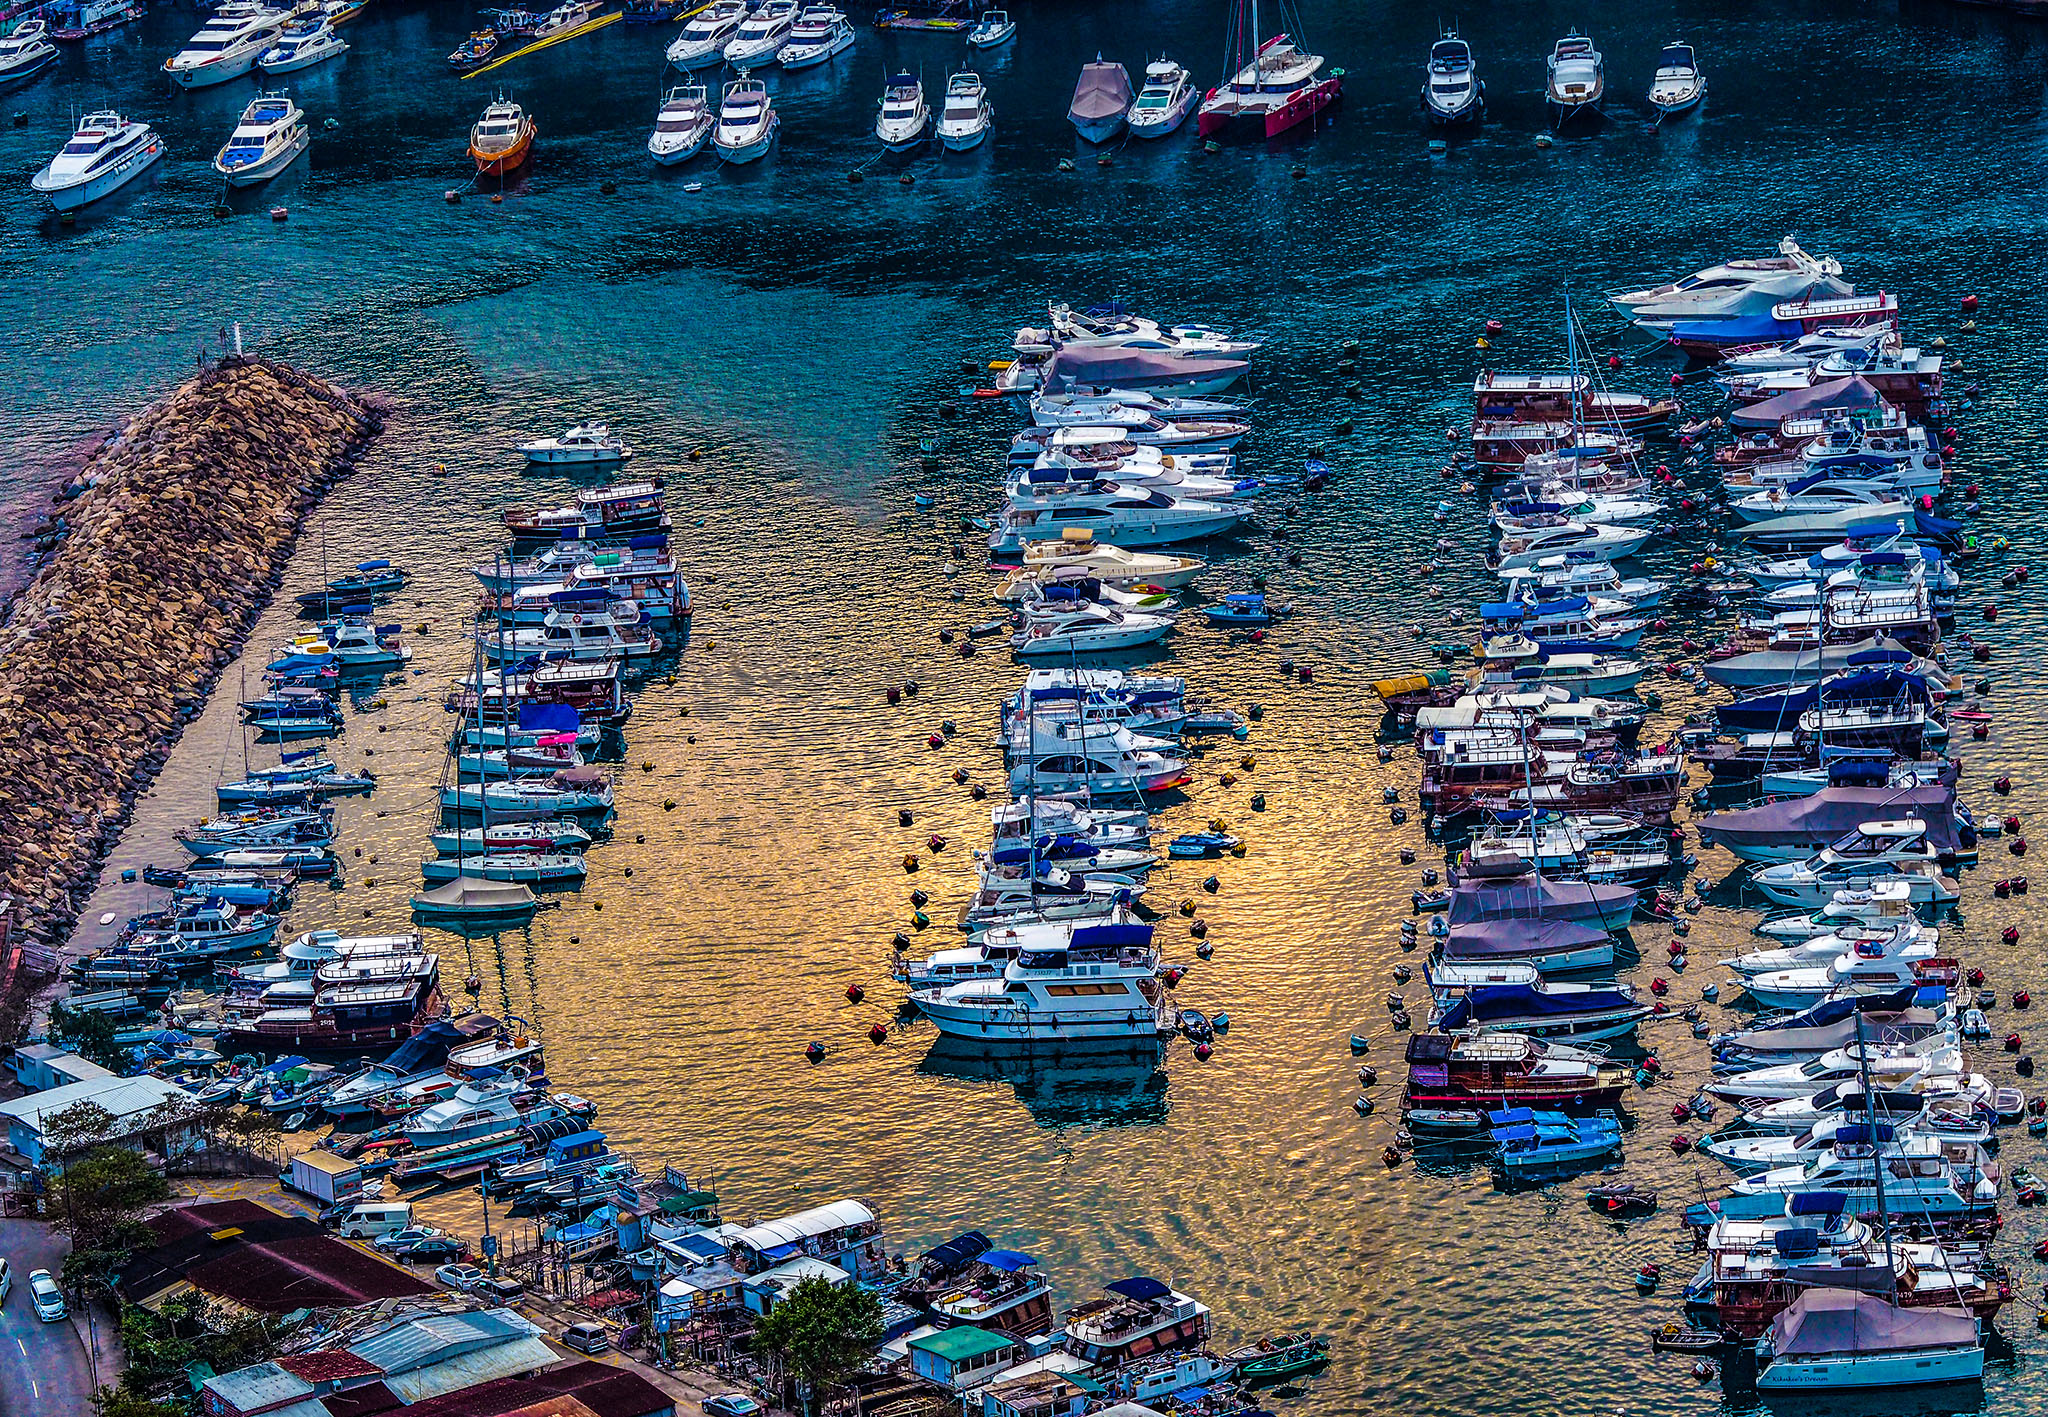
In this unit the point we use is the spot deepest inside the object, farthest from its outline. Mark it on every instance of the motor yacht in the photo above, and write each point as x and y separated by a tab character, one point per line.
1130	423
754	44
1090	629
1678	85
1102	99
993	28
589	443
965	115
1576	82
566	17
26	51
576	631
1846	1339
1964	1099
304	43
820	34
106	153
1582	541
1451	90
1750	1155
1058	992
268	139
502	139
1880	903
228	45
706	34
1887	1066
1826	948
1164	103
1109	511
747	122
1874	852
1926	1178
683	126
902	116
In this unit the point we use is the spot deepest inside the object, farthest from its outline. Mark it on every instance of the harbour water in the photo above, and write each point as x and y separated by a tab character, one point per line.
797	333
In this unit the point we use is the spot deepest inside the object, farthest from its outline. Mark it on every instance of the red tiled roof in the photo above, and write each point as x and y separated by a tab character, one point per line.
327	1365
276	1263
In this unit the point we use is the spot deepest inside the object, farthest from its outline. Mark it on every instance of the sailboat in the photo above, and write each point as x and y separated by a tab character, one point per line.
1272	85
1836	1339
471	898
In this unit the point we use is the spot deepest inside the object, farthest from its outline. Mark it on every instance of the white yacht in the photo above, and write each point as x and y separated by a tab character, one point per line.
1890	1066
304	43
1116	765
569	16
268	139
1058	992
26	52
612	630
1111	512
1837	1339
107	152
475	1109
747	121
1875	852
965	116
228	45
1738	288
754	44
903	115
1825	949
1165	101
1888	902
1855	971
820	33
1577	80
1749	1155
704	37
1678	85
1451	90
1582	541
1091	629
591	443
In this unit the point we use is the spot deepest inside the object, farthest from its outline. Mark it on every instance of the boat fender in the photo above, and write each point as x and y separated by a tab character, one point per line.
878	1034
1211	884
2011	934
854	993
1204	950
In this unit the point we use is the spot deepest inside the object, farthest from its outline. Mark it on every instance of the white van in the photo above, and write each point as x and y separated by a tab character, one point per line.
374	1218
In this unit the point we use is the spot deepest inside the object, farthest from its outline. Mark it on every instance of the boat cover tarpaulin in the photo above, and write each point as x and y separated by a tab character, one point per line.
1536	899
1074	369
1838	1321
1519	939
1739	329
1103	92
1844	395
469	893
1498	1003
1810	823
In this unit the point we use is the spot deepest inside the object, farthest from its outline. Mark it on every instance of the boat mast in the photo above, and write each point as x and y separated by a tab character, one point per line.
1876	1162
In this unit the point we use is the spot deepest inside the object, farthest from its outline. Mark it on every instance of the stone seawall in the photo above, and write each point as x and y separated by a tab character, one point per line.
178	533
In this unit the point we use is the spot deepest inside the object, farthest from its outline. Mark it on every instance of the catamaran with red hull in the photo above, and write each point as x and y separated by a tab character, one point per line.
1273	89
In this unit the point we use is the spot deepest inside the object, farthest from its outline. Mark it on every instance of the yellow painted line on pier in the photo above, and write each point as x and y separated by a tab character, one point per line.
589	28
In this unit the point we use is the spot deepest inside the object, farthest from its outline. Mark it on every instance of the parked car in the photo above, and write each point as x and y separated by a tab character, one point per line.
6	1280
434	1249
462	1278
400	1240
49	1298
587	1338
500	1290
731	1404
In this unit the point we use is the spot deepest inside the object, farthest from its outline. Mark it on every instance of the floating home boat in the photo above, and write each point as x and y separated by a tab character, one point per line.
1143	1316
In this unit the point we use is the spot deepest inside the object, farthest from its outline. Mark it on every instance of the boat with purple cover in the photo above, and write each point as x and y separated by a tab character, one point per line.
1551	946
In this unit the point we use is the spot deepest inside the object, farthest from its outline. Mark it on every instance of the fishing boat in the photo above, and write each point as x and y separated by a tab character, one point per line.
1164	103
26	51
1281	1359
474	52
820	34
345	1018
1452	93
1102	98
502	139
706	33
1576	82
593	443
1678	85
965	115
610	513
104	154
902	115
572	15
304	43
993	28
1272	86
227	46
1531	1144
747	122
82	19
754	44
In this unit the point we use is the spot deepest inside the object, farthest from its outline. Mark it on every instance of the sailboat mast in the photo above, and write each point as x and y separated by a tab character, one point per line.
1876	1160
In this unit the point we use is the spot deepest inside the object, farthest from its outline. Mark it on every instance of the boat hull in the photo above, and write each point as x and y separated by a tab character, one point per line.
961	142
1226	123
811	56
1869	1370
105	184
748	152
257	173
666	157
1005	1024
510	160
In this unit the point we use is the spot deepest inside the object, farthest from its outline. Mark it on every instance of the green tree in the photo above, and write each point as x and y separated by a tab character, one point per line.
123	1402
822	1332
161	1346
90	1034
98	1203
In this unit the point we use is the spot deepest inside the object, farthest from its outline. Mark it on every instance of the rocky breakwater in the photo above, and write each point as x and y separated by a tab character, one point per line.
173	538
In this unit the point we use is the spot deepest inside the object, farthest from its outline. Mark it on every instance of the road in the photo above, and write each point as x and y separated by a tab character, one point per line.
43	1367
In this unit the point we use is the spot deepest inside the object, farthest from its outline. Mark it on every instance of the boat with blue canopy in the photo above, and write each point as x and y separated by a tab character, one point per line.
1531	1143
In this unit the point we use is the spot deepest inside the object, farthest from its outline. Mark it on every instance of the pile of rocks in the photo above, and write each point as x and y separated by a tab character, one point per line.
172	541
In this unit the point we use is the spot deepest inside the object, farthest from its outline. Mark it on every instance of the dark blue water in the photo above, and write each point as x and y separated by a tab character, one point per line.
799	333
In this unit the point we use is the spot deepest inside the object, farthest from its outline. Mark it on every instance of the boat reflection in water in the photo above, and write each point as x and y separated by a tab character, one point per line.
1122	1084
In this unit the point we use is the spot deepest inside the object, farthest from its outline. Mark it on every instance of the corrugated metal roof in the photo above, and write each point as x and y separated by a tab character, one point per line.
126	1098
956	1345
326	1365
257	1386
805	1224
502	1360
431	1338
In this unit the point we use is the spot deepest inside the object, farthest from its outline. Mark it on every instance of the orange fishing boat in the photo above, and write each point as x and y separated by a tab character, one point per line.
502	138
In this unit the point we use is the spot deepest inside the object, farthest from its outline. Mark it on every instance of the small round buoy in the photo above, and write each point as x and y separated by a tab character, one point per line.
854	993
1364	1106
2012	1043
903	817
978	792
2002	786
894	694
2011	934
1212	885
878	1033
1199	928
936	842
1204	950
910	862
2021	999
815	1051
473	984
900	941
1970	302
1202	1052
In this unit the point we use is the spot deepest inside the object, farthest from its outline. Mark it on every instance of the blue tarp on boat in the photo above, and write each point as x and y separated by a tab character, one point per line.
1742	329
